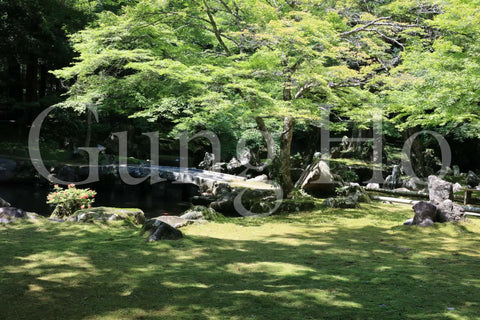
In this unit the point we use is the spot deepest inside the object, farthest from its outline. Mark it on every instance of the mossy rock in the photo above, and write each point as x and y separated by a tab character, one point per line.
155	230
201	212
10	214
296	205
341	202
132	215
262	206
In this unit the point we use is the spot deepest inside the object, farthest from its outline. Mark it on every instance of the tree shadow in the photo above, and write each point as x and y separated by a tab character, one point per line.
74	272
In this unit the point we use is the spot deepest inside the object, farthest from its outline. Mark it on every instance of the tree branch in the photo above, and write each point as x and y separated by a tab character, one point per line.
387	37
215	29
304	89
345	34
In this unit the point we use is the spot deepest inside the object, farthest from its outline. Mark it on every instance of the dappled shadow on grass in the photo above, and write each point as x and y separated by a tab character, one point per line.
374	210
313	271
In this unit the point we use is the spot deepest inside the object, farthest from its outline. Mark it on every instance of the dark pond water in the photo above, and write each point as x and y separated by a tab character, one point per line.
154	199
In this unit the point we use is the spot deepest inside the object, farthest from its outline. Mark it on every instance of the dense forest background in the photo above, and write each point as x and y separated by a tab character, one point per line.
238	67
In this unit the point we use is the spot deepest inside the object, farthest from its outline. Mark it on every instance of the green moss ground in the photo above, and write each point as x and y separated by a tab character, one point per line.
334	264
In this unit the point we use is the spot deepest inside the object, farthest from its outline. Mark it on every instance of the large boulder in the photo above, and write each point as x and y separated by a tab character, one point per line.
133	215
225	196
425	214
156	230
317	179
441	195
472	179
448	211
439	190
9	214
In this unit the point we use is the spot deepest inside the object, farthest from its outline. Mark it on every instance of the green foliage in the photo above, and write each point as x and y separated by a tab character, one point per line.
217	65
69	200
193	63
349	176
437	84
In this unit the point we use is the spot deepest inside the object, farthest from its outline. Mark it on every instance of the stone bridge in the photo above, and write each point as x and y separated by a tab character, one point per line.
66	172
198	177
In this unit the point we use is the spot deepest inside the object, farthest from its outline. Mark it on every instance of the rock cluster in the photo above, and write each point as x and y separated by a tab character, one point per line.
348	197
440	208
134	216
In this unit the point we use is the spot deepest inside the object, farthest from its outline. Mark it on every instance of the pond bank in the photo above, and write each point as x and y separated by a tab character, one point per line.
154	199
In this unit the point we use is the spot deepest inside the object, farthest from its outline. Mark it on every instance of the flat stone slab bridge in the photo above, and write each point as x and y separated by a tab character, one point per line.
198	177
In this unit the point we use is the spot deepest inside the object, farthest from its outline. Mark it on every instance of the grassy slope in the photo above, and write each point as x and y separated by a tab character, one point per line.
339	264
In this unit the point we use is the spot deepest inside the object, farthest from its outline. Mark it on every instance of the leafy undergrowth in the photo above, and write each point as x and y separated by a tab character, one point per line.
334	264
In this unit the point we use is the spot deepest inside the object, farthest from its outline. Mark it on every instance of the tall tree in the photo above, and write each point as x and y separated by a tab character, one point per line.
186	59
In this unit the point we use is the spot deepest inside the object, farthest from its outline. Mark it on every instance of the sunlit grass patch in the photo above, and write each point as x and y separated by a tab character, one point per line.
328	264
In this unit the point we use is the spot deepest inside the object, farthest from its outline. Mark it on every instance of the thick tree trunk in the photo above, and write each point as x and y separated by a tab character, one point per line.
285	146
31	78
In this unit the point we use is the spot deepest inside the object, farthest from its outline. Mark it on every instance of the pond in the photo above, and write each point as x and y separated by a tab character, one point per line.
154	200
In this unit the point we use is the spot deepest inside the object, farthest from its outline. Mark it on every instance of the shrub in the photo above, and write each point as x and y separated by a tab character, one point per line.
69	200
349	176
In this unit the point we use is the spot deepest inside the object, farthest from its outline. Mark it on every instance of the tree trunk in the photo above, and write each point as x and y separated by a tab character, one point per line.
43	80
261	124
313	142
31	78
14	84
89	128
417	160
285	145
